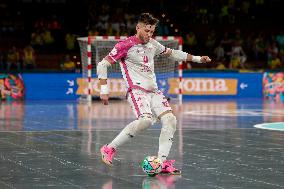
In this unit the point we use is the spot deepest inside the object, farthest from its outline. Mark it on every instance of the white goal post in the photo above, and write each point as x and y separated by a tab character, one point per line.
94	48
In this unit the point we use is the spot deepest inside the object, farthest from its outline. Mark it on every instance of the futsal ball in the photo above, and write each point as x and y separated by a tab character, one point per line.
151	165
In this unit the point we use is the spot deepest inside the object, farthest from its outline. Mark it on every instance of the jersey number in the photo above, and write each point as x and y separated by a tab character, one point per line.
145	59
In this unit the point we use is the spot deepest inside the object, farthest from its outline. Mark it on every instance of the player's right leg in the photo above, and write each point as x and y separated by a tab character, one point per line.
169	122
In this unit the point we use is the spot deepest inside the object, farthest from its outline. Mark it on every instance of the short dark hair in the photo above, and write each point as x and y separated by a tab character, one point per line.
148	18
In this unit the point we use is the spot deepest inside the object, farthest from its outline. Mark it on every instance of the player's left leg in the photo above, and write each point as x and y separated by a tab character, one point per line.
140	104
163	110
132	129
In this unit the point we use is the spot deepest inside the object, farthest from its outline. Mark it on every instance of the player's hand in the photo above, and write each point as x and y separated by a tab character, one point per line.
205	59
104	98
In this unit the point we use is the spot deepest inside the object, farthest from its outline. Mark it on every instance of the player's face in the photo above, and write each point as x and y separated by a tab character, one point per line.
145	32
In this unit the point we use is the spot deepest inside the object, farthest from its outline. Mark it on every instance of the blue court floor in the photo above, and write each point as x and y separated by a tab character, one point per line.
55	144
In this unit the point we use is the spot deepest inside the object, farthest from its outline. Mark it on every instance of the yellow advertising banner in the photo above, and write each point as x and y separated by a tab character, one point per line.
190	86
116	87
204	86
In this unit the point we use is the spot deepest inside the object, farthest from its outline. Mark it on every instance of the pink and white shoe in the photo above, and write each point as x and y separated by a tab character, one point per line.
107	154
168	168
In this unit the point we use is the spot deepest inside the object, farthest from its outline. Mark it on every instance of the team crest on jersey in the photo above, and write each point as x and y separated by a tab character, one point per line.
113	52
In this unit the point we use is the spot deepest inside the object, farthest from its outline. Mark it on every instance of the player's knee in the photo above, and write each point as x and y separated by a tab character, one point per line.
142	123
169	122
145	121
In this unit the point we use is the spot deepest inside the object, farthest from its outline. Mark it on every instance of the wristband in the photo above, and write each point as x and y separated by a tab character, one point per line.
196	59
104	89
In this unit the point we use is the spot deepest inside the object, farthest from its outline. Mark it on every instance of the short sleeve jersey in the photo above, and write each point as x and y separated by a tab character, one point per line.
137	62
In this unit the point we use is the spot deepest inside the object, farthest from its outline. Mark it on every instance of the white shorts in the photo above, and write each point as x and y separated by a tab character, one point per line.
143	102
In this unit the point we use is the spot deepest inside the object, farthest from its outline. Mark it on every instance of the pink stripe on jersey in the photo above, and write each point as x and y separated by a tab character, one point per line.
135	104
129	81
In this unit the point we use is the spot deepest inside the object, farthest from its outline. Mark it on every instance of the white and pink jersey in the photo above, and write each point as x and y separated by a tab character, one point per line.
137	62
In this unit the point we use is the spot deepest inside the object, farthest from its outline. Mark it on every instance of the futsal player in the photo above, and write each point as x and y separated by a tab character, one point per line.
136	57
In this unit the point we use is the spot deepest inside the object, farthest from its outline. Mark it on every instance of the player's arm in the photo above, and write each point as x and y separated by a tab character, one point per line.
102	75
179	55
116	54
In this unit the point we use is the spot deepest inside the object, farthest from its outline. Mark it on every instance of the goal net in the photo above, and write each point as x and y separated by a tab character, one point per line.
94	48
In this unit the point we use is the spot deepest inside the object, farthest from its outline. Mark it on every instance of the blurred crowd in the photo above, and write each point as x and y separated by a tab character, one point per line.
236	34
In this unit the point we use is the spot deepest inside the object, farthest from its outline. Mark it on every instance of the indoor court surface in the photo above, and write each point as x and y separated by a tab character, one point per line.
55	144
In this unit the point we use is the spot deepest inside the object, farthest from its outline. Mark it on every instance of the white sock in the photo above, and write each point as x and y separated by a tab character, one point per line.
166	136
130	131
123	136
